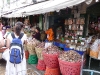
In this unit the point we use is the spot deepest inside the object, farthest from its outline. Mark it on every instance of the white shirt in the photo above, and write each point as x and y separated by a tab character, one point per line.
22	39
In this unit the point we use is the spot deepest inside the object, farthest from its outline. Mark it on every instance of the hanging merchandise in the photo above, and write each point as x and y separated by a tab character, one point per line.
82	21
66	22
70	21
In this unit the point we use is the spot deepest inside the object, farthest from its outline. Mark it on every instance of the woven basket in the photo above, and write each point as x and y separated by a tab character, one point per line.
25	47
39	53
31	49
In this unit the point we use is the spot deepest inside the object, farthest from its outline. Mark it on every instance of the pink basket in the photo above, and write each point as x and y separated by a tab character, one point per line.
51	60
41	65
68	68
50	71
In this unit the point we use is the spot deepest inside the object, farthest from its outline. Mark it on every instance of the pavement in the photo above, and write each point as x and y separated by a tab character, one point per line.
95	65
29	67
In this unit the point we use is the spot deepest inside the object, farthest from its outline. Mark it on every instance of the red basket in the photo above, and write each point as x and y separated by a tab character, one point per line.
50	71
51	60
68	68
26	54
41	65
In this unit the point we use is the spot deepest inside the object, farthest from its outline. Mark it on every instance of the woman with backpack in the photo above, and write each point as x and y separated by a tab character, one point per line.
16	65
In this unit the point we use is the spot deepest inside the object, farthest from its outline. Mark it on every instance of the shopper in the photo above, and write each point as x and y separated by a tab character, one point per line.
11	68
8	31
1	35
27	24
37	34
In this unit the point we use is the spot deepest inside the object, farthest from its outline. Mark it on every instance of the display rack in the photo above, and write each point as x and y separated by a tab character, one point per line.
74	27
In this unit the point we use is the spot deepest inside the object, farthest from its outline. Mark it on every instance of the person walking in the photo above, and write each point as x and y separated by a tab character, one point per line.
13	68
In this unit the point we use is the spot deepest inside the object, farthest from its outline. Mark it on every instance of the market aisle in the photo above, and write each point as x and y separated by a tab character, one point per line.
2	66
33	67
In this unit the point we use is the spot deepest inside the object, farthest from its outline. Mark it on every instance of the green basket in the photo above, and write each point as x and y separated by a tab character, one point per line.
32	59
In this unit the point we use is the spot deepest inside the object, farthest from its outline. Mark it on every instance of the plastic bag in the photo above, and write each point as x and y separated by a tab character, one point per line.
94	46
94	49
5	55
99	55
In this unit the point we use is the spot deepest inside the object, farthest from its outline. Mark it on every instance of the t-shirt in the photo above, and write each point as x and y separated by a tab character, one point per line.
22	39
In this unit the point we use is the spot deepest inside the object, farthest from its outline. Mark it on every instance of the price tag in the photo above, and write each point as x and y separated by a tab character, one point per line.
75	41
67	41
72	37
80	38
82	43
72	41
69	27
47	44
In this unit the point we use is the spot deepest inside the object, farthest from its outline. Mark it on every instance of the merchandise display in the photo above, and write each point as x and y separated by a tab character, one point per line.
31	46
51	50
50	56
70	63
74	27
70	56
38	49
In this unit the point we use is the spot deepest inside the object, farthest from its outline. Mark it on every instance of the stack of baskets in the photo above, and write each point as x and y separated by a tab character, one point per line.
51	61
41	65
70	63
26	51
52	64
32	54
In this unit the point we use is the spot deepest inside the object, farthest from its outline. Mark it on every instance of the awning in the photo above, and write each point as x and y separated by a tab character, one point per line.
44	7
54	6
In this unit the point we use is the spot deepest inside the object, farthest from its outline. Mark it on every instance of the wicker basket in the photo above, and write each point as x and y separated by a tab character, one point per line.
25	47
31	49
39	53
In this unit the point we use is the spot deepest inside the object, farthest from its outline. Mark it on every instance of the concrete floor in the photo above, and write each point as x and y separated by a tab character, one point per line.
95	65
31	66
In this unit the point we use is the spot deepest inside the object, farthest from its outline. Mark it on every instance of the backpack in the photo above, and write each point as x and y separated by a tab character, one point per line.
16	49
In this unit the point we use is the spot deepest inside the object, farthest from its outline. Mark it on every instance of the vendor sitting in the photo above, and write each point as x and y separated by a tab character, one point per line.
37	33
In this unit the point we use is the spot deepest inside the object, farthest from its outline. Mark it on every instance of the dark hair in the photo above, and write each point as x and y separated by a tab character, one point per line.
18	27
38	28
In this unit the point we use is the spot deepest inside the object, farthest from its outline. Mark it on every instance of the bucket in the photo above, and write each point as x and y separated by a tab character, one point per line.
32	59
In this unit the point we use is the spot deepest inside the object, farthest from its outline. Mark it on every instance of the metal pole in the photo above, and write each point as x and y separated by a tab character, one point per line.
82	62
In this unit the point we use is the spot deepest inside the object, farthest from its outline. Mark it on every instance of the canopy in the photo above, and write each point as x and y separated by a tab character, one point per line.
44	7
